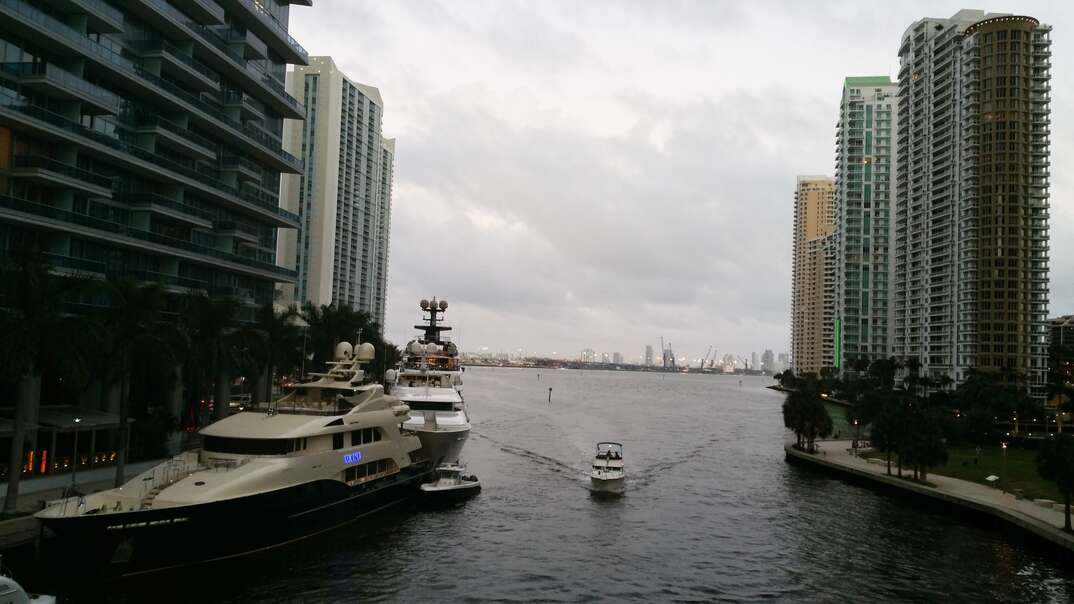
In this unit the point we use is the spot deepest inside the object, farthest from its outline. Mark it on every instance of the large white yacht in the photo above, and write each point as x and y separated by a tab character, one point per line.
429	381
327	453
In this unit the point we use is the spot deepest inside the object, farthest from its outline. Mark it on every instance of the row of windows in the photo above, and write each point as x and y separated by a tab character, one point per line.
358	437
367	469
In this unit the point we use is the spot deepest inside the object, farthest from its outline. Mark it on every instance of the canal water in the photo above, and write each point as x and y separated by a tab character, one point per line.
712	512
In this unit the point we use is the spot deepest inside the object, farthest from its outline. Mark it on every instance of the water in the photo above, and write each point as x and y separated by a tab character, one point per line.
712	513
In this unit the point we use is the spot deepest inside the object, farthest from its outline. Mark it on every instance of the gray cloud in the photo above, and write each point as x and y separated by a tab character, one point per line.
600	174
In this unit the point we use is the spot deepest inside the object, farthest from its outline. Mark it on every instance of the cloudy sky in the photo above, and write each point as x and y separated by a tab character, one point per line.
601	174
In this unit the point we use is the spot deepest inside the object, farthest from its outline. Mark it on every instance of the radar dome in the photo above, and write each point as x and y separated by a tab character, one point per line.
344	351
425	305
415	347
430	348
366	352
443	305
390	376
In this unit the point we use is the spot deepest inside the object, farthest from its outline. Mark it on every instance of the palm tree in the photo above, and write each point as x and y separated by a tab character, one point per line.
279	334
1055	462
37	334
209	325
132	323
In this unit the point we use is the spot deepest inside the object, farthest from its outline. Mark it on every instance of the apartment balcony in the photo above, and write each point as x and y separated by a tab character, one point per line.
168	281
245	43
237	231
37	215
249	108
251	14
48	79
168	209
101	17
205	12
177	64
243	168
177	138
51	173
224	56
22	116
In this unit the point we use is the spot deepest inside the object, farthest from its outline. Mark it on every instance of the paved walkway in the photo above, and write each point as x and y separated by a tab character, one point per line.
1044	521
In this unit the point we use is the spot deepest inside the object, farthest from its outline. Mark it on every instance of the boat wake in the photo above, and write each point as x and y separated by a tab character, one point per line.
548	462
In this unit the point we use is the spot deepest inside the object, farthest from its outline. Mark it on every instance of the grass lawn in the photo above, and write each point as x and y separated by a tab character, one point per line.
1021	470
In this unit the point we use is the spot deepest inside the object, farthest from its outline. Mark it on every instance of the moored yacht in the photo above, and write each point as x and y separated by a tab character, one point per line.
608	473
429	381
327	453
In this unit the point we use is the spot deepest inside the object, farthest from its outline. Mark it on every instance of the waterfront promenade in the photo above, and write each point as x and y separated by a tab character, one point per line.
1043	521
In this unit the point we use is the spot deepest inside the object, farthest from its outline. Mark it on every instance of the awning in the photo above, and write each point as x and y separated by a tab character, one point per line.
7	427
61	418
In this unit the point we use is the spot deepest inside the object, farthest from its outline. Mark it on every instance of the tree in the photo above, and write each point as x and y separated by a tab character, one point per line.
37	335
1055	462
280	337
132	325
923	444
805	414
209	325
886	431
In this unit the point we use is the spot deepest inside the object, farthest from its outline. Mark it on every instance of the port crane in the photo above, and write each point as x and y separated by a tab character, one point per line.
705	358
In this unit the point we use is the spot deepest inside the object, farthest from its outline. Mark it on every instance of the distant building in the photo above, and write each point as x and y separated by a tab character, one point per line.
588	356
604	358
783	362
768	362
864	193
1061	332
972	195
813	274
617	358
753	361
648	356
343	196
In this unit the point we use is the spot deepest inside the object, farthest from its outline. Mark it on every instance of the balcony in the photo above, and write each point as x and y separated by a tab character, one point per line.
248	107
205	12
177	138
24	116
48	172
101	18
177	64
238	231
169	209
246	43
243	168
55	82
266	27
37	215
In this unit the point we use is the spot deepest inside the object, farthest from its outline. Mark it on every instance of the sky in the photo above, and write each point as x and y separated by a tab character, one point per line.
599	175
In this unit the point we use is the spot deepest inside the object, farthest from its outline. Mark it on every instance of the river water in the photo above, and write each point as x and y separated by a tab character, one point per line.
712	512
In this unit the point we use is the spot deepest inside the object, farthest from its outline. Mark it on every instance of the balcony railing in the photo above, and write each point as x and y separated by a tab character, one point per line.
52	165
136	199
174	51
65	78
281	31
256	259
153	121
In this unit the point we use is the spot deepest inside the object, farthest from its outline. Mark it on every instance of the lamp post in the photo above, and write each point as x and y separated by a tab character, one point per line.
1004	445
74	465
857	439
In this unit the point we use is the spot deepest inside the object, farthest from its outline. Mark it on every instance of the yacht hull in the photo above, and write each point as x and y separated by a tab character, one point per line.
443	446
136	542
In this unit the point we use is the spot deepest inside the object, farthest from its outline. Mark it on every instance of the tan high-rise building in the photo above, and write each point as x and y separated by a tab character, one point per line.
813	275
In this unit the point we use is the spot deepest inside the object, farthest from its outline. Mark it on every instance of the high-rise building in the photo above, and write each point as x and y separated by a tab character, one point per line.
972	189
864	190
588	356
343	197
142	140
604	358
768	362
648	356
813	275
753	361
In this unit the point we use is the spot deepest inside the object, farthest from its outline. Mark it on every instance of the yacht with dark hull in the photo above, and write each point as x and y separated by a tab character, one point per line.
429	381
326	454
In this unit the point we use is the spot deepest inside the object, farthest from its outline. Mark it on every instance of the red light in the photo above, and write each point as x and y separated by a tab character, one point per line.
44	457
29	462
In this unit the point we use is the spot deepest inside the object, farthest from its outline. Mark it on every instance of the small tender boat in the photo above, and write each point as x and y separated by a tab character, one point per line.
608	474
452	484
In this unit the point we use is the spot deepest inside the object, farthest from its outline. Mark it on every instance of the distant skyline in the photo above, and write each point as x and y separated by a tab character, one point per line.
620	171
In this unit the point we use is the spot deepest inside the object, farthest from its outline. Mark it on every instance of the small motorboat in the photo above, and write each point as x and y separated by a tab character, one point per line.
608	474
13	593
453	484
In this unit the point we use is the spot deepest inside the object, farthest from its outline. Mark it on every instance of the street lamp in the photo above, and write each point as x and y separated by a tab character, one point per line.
1004	445
74	467
857	439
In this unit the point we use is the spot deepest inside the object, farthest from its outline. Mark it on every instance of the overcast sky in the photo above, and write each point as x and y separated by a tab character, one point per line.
601	174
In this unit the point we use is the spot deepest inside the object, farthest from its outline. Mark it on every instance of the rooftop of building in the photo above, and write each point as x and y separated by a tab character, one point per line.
855	81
